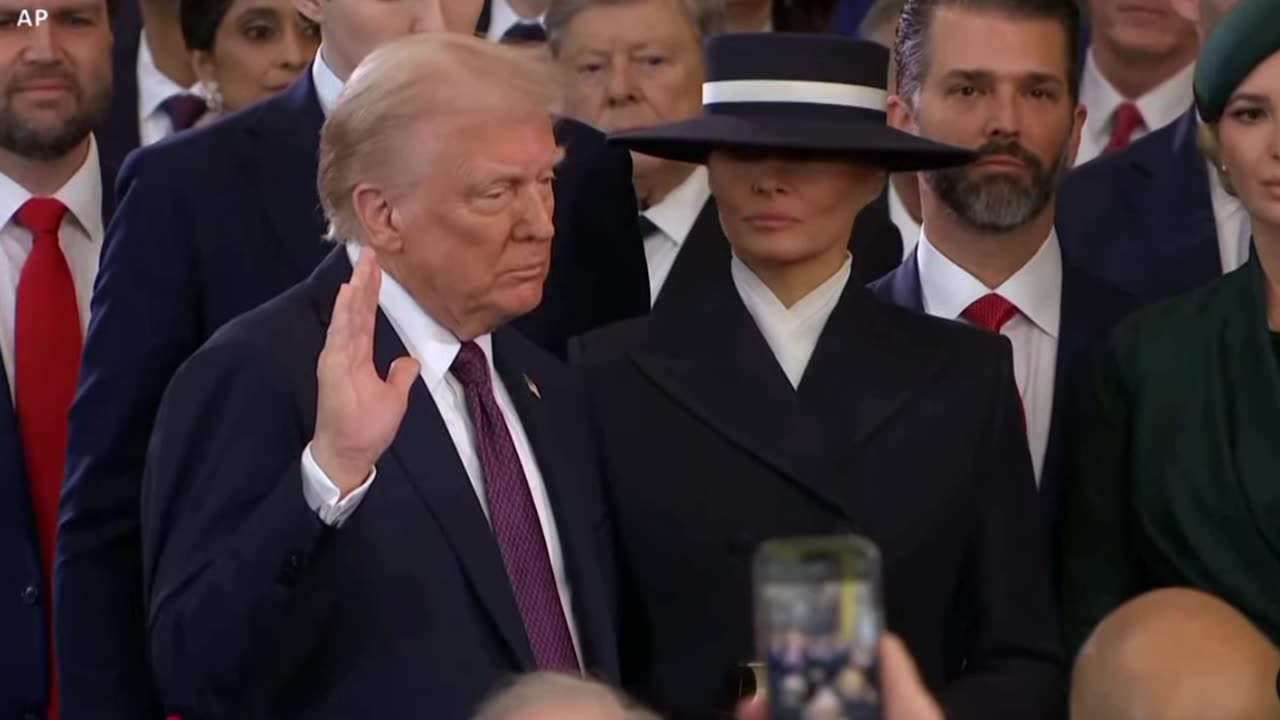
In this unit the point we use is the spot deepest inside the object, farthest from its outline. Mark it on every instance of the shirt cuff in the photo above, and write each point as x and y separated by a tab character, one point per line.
322	495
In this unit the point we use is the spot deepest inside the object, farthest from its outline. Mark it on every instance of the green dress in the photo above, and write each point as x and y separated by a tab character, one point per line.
1179	480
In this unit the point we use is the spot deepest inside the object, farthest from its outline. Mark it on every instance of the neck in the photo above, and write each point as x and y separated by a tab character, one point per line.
164	37
991	258
43	177
529	9
654	186
335	65
750	17
792	282
907	185
1134	76
1266	241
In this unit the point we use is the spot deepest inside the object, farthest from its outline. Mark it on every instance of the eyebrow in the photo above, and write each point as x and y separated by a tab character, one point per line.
259	12
1035	77
506	173
1254	98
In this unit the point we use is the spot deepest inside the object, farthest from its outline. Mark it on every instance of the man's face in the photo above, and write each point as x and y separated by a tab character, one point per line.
1142	29
55	78
354	28
998	85
631	66
477	229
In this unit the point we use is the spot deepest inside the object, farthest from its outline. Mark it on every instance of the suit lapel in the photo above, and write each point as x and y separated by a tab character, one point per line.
1075	335
1172	205
902	286
424	453
558	464
705	251
284	142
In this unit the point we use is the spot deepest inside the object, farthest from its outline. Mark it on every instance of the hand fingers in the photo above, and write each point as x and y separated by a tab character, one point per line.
367	280
757	708
905	695
404	371
338	337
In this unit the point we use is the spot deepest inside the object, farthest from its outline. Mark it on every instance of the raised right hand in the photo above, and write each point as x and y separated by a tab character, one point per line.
357	412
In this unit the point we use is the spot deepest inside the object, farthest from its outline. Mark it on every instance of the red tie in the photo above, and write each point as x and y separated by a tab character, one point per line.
1126	120
46	363
991	312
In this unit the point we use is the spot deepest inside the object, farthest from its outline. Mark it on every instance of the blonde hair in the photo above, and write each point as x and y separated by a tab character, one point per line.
442	79
542	689
1211	147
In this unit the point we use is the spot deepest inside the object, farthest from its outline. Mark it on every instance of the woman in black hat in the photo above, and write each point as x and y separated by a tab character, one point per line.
1180	467
787	401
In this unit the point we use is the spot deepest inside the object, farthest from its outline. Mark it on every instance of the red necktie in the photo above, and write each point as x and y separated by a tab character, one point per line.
515	518
46	364
991	312
1126	120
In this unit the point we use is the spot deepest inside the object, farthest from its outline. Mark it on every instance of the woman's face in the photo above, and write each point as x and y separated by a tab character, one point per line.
261	46
1249	140
782	210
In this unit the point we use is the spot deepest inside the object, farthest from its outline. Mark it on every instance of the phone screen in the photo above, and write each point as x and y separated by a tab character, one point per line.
820	623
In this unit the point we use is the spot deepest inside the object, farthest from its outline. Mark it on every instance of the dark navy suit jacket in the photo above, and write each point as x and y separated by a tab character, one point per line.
118	133
24	621
1142	219
256	609
1090	309
212	223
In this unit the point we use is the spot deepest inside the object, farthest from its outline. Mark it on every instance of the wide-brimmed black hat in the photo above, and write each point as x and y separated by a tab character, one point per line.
795	92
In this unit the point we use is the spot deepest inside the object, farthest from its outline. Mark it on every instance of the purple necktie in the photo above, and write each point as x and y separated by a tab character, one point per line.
514	518
184	110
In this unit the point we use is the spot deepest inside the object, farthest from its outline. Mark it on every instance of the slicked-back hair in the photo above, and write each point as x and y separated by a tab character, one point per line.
911	47
709	17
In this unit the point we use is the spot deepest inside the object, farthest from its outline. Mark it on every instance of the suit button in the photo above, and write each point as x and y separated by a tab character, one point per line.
295	560
30	594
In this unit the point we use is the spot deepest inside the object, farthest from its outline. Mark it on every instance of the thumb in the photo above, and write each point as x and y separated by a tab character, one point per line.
404	371
905	695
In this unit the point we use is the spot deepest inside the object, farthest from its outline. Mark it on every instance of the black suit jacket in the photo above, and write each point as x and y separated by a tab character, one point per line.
212	223
1090	311
118	133
879	242
24	617
710	451
1142	219
258	610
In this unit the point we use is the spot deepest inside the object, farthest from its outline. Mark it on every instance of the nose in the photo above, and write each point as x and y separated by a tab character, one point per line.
1004	119
294	56
537	219
622	86
768	180
41	45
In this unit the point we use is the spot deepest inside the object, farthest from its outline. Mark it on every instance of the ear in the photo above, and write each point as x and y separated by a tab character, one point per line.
1077	130
380	222
202	63
312	10
901	116
1189	10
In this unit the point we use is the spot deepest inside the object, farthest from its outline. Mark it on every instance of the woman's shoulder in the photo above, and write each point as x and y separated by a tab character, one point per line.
1173	329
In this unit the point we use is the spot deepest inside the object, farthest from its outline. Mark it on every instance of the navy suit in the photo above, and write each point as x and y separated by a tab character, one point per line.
1142	219
118	132
212	223
256	609
1090	309
24	623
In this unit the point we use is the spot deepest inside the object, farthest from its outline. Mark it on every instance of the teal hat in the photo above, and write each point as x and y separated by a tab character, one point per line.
1247	36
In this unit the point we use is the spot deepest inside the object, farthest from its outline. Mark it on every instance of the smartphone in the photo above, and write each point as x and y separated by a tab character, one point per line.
819	620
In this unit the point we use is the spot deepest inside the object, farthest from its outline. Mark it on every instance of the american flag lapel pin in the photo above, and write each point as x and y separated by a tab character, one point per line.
533	388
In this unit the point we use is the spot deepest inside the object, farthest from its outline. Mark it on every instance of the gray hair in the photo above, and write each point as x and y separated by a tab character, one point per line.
421	79
708	17
545	690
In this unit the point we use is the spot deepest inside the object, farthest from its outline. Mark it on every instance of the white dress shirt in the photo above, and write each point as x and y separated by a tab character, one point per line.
435	348
1159	107
1235	232
792	333
80	238
328	85
154	87
1036	290
502	17
674	217
907	226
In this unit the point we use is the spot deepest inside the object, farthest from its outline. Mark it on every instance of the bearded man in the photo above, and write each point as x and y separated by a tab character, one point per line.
1000	76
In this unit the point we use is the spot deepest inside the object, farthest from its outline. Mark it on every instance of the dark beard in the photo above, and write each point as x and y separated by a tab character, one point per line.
26	140
998	203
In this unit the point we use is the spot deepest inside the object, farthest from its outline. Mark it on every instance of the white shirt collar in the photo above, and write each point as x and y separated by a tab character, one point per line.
154	87
791	333
1162	105
1035	289
82	194
427	341
908	228
328	84
502	17
676	213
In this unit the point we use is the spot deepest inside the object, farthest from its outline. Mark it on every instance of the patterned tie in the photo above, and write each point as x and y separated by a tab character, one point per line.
992	312
46	364
1126	120
184	110
515	519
